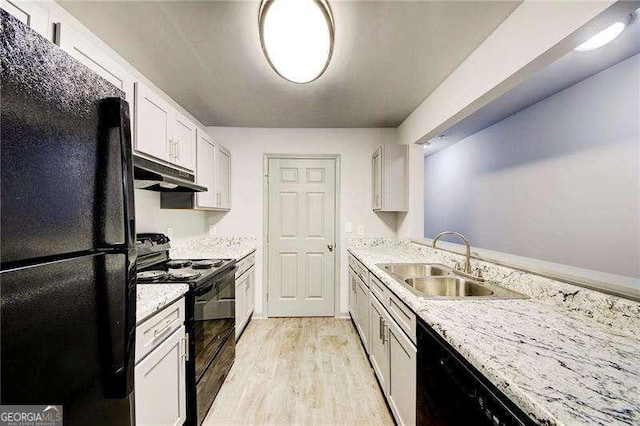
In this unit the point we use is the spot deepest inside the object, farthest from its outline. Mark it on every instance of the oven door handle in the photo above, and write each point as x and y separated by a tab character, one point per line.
226	275
204	290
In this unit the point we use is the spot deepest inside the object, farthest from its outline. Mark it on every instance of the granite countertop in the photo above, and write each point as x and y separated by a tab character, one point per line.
151	298
560	369
213	248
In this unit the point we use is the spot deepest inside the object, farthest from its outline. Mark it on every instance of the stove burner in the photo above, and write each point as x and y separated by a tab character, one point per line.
175	264
183	275
150	275
205	264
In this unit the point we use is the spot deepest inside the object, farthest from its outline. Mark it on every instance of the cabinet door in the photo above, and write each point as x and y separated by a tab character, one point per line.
95	58
377	179
362	309
240	303
248	296
379	352
223	178
30	13
402	375
160	383
184	139
153	124
353	283
205	170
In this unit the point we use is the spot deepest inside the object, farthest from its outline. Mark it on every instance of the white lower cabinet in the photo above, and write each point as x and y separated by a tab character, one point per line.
378	349
353	283
362	311
245	304
249	304
160	383
393	358
401	393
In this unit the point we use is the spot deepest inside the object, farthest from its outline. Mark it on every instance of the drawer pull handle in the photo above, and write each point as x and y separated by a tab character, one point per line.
163	330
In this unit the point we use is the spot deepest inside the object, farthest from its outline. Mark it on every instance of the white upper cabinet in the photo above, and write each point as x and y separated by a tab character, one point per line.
153	124
213	171
31	14
95	58
205	171
377	179
162	132
184	141
223	178
390	178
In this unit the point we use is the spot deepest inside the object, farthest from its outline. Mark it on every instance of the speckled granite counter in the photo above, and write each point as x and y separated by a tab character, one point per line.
213	248
150	298
558	366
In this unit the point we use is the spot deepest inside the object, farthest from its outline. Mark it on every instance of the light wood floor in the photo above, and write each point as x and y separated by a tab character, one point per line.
299	371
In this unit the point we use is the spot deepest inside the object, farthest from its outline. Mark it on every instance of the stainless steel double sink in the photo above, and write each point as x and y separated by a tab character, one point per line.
433	280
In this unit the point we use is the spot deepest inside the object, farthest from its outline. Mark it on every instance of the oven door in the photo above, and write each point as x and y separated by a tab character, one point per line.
213	318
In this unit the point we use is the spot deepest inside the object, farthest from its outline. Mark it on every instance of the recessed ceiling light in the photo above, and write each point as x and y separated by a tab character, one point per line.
603	37
297	37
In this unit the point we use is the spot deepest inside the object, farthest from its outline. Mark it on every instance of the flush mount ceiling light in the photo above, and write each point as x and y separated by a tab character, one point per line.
603	37
297	37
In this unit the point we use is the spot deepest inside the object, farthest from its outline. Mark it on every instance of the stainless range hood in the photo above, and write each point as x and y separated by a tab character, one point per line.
152	176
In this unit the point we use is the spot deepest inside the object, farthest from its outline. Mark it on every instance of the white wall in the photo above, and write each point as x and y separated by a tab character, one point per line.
185	224
537	33
558	181
248	146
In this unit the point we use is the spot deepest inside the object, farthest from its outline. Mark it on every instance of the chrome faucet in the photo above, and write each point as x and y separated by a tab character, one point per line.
467	262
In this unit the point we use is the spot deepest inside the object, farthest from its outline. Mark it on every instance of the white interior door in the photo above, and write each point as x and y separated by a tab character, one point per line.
301	237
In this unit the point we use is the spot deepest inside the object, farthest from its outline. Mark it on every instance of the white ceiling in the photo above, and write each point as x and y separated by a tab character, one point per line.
389	56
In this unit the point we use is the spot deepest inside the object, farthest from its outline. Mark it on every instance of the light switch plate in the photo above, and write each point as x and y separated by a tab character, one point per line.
348	227
212	230
360	229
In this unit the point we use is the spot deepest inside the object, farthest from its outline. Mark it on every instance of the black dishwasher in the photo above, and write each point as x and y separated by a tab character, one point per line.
452	392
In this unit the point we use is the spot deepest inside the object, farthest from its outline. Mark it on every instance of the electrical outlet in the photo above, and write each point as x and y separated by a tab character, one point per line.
212	230
360	229
170	232
348	227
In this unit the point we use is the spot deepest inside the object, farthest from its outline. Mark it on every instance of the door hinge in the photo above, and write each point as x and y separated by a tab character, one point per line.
267	178
267	297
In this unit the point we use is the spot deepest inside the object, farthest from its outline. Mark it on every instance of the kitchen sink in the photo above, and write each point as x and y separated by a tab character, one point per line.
447	287
417	269
437	281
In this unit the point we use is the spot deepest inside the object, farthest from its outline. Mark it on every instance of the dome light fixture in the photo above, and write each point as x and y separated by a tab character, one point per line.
297	37
603	37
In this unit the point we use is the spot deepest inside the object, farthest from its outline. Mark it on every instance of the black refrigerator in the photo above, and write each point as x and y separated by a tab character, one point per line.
67	234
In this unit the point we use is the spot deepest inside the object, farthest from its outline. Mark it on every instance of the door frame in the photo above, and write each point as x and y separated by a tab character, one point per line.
265	225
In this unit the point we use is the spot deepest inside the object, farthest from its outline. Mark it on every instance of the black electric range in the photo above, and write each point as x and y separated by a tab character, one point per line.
210	316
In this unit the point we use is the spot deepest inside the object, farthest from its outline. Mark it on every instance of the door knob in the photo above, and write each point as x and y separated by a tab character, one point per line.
330	247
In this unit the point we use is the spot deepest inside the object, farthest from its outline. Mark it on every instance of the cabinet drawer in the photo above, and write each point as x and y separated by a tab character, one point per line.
379	290
245	263
359	269
156	329
404	316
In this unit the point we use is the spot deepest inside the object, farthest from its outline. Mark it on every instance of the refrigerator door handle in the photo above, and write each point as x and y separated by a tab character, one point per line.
114	207
116	311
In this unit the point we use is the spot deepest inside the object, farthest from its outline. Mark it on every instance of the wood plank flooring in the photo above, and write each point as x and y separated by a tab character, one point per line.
300	371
